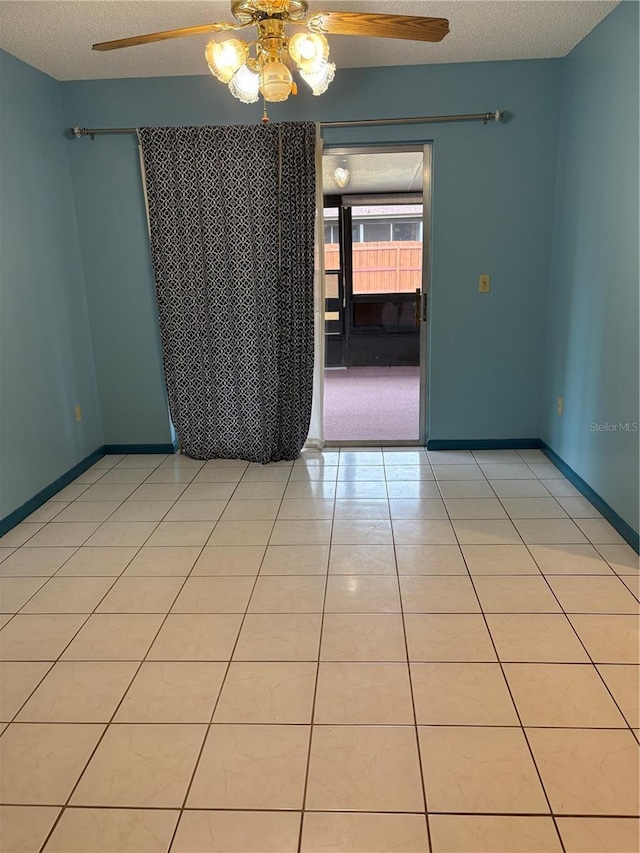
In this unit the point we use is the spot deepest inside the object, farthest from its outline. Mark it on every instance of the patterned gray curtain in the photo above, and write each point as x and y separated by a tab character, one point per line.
232	213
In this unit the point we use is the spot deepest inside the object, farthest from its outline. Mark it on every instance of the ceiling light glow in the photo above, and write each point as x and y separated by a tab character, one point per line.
224	58
245	85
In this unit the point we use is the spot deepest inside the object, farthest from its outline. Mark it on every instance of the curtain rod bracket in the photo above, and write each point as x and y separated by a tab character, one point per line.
78	132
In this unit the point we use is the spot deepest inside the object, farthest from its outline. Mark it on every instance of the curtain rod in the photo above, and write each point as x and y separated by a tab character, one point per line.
495	116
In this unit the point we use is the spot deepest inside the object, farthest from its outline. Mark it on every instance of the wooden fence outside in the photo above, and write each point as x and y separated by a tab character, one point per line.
381	267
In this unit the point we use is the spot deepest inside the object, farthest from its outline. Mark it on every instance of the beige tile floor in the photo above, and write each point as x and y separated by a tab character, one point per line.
363	651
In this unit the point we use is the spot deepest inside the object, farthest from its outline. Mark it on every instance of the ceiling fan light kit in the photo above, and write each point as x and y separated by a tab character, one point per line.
245	83
309	51
264	66
226	57
275	53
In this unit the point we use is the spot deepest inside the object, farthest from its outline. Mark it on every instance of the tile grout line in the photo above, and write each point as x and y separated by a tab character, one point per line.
586	650
563	611
568	619
305	787
207	733
515	707
517	711
58	659
100	524
66	804
246	610
332	725
546	815
421	759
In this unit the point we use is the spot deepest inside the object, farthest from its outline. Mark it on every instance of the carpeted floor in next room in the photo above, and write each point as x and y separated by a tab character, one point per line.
372	404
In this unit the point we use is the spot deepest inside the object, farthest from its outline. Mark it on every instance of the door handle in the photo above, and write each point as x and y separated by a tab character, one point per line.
418	304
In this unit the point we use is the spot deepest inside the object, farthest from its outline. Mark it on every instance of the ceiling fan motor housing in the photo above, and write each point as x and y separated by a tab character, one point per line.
248	11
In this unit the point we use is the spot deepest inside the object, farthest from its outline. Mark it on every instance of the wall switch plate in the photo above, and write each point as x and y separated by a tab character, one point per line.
560	406
78	413
484	285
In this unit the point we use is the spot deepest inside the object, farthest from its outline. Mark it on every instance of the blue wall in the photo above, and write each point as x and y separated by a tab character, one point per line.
592	348
46	359
119	280
547	203
493	211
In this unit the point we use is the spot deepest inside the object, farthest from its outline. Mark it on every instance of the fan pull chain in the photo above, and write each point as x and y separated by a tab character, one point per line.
265	117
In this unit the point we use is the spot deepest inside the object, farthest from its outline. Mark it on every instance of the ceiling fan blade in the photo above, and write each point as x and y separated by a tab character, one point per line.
166	34
381	26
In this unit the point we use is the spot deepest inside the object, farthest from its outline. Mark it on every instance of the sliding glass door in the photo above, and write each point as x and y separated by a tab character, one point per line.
376	232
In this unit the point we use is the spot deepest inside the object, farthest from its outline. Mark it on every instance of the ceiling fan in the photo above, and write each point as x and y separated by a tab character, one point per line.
263	65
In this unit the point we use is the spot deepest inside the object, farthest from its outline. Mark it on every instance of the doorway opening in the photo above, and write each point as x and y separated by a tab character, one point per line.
375	251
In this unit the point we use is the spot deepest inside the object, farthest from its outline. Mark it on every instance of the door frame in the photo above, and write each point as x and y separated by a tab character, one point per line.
426	149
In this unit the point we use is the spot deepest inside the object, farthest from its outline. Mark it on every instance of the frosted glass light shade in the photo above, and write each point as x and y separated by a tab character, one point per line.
225	57
245	85
309	51
342	176
276	81
320	80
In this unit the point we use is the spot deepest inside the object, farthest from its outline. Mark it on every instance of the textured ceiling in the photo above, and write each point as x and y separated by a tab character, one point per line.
56	37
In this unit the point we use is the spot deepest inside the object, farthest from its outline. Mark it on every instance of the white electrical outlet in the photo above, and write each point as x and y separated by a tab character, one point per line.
560	406
78	413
